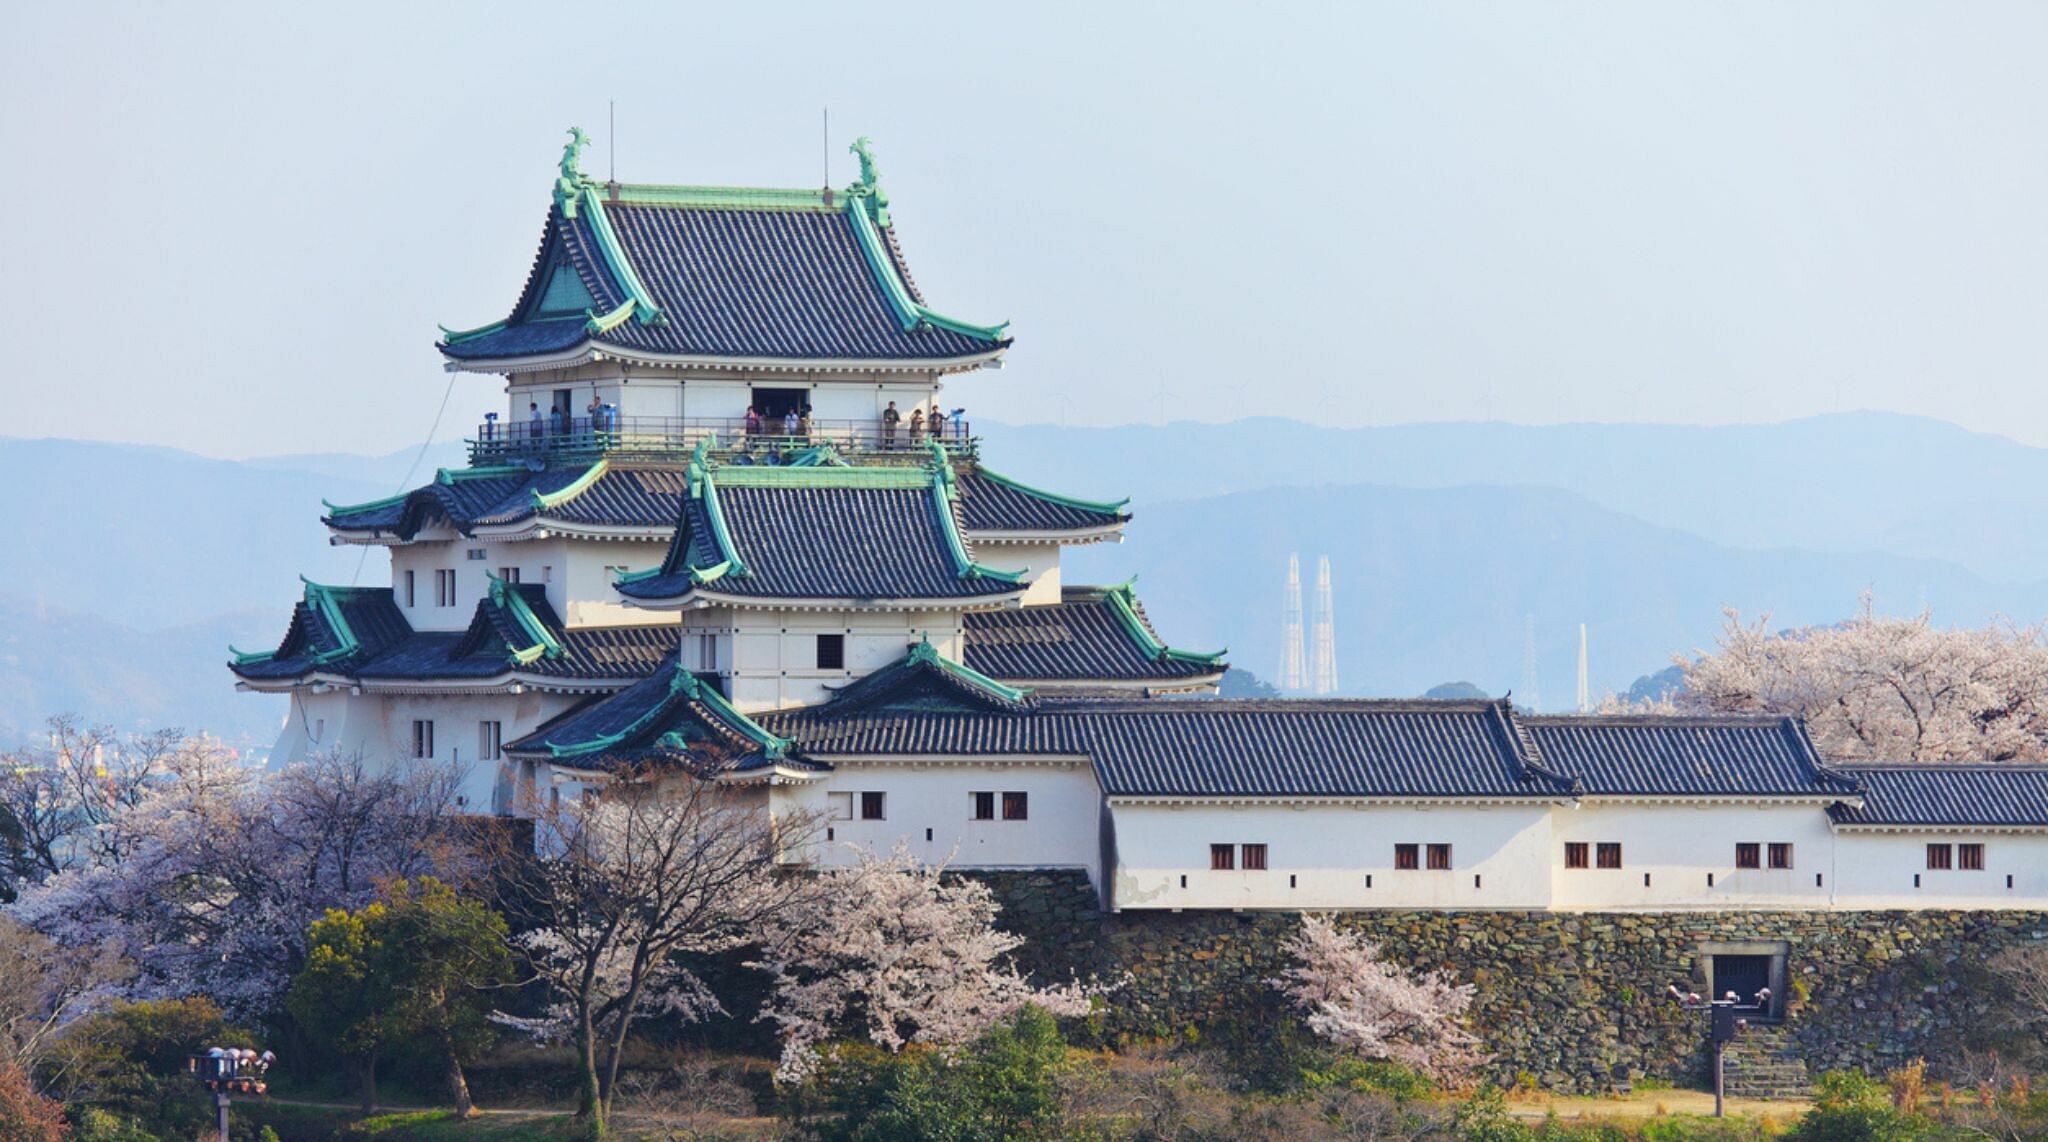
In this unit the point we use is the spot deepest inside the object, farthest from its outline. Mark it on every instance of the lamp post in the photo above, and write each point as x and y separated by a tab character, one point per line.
1726	1018
228	1071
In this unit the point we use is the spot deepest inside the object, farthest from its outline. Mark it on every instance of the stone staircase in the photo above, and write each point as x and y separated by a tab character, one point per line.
1764	1062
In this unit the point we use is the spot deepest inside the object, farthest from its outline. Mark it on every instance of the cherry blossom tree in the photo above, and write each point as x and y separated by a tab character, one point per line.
896	950
47	989
214	863
1885	689
55	798
635	881
1351	996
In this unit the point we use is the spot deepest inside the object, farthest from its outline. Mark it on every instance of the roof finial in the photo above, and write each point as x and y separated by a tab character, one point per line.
870	182
572	180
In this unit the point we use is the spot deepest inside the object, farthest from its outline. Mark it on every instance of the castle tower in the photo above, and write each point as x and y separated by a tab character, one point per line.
1325	639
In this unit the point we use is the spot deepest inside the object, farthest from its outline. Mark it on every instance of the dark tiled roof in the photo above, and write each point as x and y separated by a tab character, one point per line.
498	641
752	283
1678	756
1212	748
332	629
1082	637
993	503
1938	795
824	534
671	716
621	497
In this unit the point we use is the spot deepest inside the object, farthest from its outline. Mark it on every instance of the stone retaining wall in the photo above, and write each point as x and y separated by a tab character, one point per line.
1574	1000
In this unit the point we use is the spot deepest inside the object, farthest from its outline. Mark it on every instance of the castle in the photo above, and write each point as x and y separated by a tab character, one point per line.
727	520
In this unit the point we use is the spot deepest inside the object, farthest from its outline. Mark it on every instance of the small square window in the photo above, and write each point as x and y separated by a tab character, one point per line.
1970	858
1222	857
423	739
871	806
509	574
411	594
1439	857
1940	856
1255	858
489	739
839	806
1575	854
476	554
1017	807
1610	854
1781	854
1749	854
831	652
547	572
1407	857
984	806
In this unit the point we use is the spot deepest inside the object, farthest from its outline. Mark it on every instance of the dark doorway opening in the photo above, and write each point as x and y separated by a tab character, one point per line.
774	404
1743	975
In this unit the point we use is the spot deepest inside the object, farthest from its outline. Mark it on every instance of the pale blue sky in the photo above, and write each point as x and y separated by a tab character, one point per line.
233	229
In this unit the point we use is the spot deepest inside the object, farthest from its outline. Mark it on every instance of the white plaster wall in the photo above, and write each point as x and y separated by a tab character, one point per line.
930	810
1041	562
588	598
774	663
1678	846
378	728
1877	870
1329	852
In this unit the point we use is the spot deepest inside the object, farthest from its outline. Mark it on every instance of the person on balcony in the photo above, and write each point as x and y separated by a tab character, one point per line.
753	421
595	415
917	426
803	425
789	422
558	421
535	426
938	422
889	418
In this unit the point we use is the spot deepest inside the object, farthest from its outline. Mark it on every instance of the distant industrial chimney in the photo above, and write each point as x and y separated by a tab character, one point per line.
1325	632
1531	685
1585	690
1293	669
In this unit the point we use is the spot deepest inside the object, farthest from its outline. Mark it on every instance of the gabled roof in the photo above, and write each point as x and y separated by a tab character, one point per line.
514	632
995	504
1093	634
924	679
1676	755
332	629
1959	796
601	496
680	274
670	716
832	532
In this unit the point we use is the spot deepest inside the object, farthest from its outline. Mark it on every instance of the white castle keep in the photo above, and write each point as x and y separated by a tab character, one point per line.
727	524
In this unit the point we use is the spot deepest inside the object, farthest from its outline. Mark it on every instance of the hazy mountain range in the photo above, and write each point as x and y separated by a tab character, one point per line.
130	568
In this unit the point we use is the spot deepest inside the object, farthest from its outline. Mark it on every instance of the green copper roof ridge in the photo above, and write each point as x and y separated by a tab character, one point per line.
1106	507
817	456
1123	601
725	197
964	565
928	654
691	687
820	476
737	567
250	657
458	336
514	603
910	313
606	322
334	509
636	576
323	598
545	501
614	255
447	476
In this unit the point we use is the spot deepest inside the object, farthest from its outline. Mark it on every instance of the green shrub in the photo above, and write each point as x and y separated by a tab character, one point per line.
1004	1085
130	1061
1850	1106
1484	1117
95	1125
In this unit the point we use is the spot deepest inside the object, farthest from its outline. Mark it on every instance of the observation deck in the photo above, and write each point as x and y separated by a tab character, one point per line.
662	437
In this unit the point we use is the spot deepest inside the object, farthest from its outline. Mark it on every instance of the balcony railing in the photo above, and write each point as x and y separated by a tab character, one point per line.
672	436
